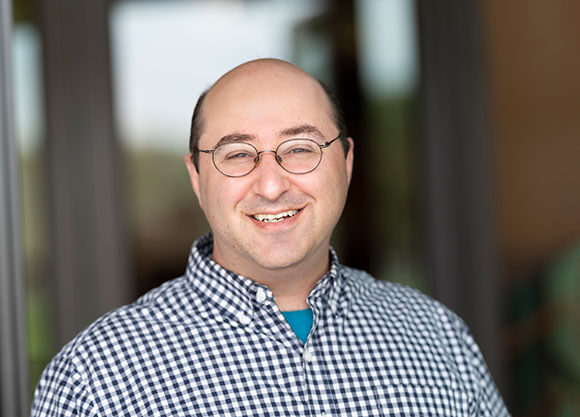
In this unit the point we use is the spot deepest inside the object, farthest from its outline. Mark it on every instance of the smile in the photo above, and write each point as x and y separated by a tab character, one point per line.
275	218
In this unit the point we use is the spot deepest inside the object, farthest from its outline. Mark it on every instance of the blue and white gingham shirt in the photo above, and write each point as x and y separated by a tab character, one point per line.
213	343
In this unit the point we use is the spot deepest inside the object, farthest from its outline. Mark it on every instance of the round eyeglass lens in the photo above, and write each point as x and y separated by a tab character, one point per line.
235	159
299	156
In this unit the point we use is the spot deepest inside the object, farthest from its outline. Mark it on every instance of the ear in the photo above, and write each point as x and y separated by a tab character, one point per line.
349	159
193	177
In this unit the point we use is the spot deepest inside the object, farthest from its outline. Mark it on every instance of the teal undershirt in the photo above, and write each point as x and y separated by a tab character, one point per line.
300	321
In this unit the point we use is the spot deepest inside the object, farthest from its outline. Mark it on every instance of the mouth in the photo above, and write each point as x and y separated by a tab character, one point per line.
275	218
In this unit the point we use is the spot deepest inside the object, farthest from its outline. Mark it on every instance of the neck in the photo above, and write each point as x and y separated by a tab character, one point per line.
291	291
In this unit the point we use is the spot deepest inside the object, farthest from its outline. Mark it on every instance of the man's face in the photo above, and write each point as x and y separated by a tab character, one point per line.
270	103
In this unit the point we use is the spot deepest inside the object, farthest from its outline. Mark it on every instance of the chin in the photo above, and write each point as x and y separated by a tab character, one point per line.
277	263
276	257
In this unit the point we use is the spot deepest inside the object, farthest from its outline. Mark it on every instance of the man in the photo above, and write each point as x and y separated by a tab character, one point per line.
266	322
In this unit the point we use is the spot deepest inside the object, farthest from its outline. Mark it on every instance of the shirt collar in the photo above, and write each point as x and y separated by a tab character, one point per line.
330	290
233	295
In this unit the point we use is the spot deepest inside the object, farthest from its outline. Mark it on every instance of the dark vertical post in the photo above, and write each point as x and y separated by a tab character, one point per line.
358	230
13	348
87	232
461	245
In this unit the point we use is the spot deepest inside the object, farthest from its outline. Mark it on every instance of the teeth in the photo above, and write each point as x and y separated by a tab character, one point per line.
274	218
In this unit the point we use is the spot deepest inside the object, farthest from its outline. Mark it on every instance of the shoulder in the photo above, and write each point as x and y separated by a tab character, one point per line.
126	338
162	310
174	303
365	291
395	307
406	319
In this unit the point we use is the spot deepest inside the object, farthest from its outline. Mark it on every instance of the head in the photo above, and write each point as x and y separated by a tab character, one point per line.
270	221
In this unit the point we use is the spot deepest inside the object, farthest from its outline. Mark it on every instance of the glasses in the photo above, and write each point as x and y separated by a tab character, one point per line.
296	156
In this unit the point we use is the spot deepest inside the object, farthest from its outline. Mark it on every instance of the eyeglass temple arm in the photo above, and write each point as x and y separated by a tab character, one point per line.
327	144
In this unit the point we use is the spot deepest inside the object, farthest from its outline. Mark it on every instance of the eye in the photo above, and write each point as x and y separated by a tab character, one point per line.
299	149
235	152
300	146
239	155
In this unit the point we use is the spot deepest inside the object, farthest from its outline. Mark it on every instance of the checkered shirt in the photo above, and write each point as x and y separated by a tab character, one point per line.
213	343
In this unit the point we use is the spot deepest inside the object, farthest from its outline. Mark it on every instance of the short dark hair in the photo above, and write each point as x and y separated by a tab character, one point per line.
337	115
196	127
197	122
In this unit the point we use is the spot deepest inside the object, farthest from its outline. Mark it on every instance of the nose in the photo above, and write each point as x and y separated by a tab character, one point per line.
271	179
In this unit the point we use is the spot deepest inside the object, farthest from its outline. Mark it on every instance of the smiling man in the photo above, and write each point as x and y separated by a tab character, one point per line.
266	322
271	220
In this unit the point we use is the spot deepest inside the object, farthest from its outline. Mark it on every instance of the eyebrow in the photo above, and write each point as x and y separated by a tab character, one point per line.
291	131
297	130
235	137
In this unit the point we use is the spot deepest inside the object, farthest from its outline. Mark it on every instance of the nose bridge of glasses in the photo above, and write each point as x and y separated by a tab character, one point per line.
276	156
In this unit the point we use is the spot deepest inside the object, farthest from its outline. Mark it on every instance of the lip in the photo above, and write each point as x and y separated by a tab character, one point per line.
280	224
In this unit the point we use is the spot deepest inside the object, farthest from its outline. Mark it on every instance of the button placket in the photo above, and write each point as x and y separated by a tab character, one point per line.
266	318
308	355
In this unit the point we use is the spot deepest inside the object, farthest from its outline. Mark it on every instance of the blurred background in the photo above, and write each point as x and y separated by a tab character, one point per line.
466	120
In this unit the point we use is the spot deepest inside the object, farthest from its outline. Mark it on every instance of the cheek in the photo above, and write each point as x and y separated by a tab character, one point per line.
336	191
335	177
210	197
221	196
329	188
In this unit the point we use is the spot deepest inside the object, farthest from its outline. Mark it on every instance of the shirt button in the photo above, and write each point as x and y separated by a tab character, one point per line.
261	295
243	319
308	355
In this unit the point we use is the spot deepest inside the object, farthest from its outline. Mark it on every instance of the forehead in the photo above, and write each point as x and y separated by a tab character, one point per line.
263	101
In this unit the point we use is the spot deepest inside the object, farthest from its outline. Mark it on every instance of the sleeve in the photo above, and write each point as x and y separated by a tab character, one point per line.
62	392
485	399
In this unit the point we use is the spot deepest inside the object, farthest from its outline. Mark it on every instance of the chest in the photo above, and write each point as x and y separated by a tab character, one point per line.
345	369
